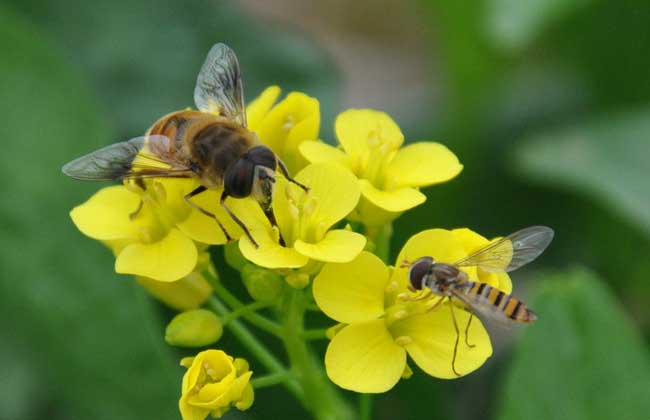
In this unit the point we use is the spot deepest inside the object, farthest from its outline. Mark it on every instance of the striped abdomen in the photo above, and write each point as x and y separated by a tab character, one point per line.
497	303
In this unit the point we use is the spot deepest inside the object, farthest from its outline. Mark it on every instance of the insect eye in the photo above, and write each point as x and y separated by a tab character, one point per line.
239	178
262	156
418	270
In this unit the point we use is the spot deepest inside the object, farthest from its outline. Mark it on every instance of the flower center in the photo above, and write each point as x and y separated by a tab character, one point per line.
158	214
380	151
302	209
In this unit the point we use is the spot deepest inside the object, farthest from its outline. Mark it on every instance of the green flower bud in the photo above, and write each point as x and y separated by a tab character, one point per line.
195	328
233	256
263	285
297	280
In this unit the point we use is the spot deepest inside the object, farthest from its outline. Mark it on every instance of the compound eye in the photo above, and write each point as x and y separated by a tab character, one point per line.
418	270
239	178
262	156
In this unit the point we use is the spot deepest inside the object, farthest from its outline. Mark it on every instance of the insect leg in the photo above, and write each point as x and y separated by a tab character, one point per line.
435	306
285	172
453	317
469	322
237	219
198	190
135	212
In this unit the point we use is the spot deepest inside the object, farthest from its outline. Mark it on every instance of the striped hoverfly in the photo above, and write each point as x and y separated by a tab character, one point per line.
211	144
453	285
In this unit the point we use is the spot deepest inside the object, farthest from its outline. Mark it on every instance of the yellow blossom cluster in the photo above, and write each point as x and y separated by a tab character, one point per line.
317	239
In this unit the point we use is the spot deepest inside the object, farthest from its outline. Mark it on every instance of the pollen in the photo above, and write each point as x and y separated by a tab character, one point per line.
392	287
289	123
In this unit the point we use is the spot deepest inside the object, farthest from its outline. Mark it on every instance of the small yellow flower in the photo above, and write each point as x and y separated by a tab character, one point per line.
285	125
213	383
153	232
305	219
369	353
389	176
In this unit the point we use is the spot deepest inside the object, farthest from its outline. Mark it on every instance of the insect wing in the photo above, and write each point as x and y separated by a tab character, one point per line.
219	87
510	253
483	308
146	156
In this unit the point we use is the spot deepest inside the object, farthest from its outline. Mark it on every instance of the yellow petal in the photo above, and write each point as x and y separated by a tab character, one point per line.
421	164
354	291
105	216
189	412
270	253
203	228
169	259
432	338
334	193
364	358
337	246
190	292
260	106
394	200
359	129
293	120
317	151
440	244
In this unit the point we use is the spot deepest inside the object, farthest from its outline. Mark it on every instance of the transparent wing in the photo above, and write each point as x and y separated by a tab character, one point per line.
511	252
146	156
219	85
484	309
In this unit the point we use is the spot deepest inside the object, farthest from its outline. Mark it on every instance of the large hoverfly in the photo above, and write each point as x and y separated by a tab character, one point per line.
452	284
211	145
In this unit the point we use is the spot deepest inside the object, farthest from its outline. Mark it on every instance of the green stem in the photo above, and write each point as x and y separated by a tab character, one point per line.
321	399
269	380
365	406
255	347
315	334
231	300
244	310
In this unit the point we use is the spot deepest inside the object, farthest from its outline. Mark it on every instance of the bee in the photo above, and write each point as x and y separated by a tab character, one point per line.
452	284
211	145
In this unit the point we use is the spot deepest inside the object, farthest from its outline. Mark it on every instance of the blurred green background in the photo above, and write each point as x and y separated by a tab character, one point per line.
546	102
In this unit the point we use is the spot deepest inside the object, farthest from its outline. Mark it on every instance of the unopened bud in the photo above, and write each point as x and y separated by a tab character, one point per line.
297	280
195	328
233	256
262	285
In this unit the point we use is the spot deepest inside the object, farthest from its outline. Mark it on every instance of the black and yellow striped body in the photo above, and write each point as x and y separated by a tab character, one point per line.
501	304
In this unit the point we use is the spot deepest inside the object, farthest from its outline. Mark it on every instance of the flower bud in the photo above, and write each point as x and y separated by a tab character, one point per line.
262	285
195	328
297	280
190	292
233	256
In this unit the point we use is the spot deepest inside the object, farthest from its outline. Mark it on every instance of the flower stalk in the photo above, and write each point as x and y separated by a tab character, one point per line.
321	399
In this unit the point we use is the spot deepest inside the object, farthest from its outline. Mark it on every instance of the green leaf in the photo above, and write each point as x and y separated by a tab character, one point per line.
608	158
582	360
78	341
514	24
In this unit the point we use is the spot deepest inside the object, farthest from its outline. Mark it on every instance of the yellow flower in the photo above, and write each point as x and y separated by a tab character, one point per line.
152	232
285	125
389	176
305	219
213	383
369	353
